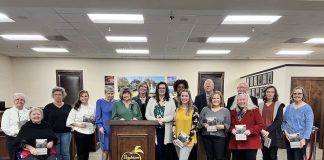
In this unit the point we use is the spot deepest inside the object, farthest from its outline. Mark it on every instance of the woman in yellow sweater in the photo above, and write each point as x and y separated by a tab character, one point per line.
185	125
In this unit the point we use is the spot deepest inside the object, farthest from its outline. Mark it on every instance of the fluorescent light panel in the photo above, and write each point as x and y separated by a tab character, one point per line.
287	52
132	51
315	41
25	37
116	18
212	52
250	19
5	18
125	39
227	39
57	50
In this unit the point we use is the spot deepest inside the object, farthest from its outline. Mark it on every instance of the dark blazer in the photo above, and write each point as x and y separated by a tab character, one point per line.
275	132
200	101
231	100
137	99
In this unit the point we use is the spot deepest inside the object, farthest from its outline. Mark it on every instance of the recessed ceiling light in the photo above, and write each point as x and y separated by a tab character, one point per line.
125	39
132	51
25	37
5	18
250	19
227	39
315	40
286	52
211	52
117	18
43	49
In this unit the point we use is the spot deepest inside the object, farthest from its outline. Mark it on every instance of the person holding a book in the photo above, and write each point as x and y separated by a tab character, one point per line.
246	125
143	97
272	114
125	108
11	122
297	124
37	138
82	119
103	113
161	108
55	114
215	121
185	126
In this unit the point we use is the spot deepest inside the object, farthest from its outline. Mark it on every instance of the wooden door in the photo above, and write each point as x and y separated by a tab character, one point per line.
314	88
217	77
72	82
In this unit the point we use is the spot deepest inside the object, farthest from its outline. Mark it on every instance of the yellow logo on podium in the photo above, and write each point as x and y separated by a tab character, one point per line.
133	155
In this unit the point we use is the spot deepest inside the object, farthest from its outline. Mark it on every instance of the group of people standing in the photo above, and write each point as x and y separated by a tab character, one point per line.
207	127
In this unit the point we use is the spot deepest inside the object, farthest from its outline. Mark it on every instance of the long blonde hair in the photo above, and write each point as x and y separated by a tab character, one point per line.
190	106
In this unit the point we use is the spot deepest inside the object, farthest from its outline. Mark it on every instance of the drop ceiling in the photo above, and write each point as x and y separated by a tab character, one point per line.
66	24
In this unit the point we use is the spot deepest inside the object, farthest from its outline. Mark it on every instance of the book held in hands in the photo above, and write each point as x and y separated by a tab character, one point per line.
181	139
41	146
239	132
89	119
211	121
266	142
294	140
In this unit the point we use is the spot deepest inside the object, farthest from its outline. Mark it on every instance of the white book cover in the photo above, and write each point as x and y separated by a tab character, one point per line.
294	140
239	134
181	139
211	121
41	146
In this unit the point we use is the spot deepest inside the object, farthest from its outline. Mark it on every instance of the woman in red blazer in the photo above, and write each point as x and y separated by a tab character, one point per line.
247	116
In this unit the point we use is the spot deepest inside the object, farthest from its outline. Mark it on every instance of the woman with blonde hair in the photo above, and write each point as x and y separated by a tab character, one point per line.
143	97
215	121
297	123
185	125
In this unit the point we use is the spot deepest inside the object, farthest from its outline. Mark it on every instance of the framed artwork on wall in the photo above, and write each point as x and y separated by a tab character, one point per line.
264	79
270	77
251	81
255	80
253	92
247	80
217	77
259	77
257	92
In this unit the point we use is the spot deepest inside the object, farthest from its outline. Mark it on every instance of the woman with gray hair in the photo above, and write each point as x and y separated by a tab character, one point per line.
11	122
37	138
103	113
56	114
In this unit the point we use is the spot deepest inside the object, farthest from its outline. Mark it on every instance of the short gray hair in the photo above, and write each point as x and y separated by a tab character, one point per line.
16	95
109	89
36	109
60	89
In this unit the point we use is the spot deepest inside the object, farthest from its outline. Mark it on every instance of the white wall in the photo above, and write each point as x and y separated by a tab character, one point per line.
6	85
36	76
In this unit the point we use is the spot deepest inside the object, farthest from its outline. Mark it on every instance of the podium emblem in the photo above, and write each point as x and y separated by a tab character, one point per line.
133	155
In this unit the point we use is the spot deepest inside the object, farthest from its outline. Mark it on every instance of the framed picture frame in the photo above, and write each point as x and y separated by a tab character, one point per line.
257	92
255	80
261	92
264	79
253	92
247	80
270	77
251	81
217	77
259	77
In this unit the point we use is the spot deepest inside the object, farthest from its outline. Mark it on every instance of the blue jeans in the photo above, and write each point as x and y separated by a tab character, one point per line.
63	145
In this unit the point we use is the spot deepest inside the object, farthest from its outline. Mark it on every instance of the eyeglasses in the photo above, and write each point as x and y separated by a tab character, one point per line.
297	93
162	88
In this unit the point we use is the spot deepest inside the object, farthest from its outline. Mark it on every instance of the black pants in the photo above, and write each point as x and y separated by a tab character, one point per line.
171	153
193	153
244	154
214	146
270	153
160	148
295	153
12	146
83	145
32	157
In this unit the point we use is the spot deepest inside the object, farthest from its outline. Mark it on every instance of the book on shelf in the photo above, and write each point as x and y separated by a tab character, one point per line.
41	146
294	140
181	139
211	121
266	142
239	132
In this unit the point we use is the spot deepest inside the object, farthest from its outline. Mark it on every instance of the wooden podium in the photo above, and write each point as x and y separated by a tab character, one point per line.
132	139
